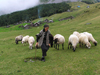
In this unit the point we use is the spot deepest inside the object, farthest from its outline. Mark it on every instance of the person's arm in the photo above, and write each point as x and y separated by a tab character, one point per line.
38	37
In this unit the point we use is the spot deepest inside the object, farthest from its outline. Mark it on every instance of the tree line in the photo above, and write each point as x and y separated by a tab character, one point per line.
85	1
90	1
33	13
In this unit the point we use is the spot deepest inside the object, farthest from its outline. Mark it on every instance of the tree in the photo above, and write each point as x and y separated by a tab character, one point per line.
33	13
79	0
88	1
44	1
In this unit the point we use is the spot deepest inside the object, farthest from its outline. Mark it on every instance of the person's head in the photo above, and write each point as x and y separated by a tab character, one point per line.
46	27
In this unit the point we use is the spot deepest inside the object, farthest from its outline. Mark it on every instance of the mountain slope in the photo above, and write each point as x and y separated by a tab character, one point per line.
58	62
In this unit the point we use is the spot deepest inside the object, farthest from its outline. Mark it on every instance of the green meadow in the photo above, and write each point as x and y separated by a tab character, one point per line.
83	61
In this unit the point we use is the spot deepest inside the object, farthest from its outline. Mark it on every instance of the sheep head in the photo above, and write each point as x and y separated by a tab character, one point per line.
74	49
16	41
95	43
56	40
88	45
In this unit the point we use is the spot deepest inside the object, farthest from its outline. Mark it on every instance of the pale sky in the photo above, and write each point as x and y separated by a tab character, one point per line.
8	6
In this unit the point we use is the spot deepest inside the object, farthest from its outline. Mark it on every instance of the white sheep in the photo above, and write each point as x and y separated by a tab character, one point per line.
83	39
90	38
73	41
25	39
18	38
59	39
31	41
76	33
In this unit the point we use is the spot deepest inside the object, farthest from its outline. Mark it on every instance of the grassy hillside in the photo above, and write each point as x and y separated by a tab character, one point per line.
58	62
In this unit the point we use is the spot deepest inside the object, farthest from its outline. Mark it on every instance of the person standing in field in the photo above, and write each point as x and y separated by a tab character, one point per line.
43	41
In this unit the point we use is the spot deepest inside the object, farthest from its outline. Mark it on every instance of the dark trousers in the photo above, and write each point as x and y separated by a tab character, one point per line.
44	48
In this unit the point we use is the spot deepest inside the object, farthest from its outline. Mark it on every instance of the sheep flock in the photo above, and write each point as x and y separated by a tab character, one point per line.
25	40
75	40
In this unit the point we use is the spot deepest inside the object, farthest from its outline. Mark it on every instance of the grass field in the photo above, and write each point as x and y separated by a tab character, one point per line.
58	62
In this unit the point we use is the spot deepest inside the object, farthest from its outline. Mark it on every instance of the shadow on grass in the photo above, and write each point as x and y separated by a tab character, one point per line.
32	59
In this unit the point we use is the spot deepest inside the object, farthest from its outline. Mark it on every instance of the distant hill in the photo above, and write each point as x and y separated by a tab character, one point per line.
33	13
47	8
20	60
57	1
2	12
90	1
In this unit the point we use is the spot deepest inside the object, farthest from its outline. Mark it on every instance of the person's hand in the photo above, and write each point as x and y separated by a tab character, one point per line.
49	45
36	43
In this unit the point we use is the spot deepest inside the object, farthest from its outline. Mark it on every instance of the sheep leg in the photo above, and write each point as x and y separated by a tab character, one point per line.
82	45
54	45
63	46
79	44
85	46
68	46
58	46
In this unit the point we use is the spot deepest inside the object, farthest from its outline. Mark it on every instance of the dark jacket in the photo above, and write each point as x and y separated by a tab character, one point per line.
43	37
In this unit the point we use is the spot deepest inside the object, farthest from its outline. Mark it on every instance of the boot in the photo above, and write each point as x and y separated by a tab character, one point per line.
43	59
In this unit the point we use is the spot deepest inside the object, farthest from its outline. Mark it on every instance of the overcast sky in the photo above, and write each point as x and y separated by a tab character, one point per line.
8	6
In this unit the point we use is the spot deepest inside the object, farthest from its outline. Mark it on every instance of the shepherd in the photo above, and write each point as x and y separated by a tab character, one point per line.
43	41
